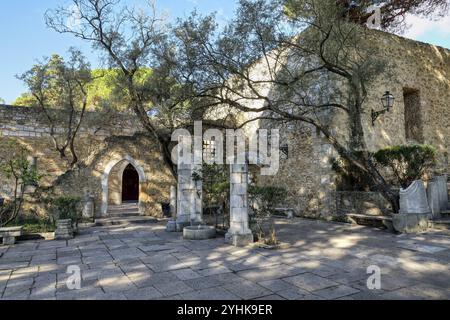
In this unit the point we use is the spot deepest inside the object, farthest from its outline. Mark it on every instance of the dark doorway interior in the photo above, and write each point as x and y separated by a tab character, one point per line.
130	184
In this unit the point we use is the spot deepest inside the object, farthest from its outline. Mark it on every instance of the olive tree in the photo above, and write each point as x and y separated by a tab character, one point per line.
130	40
59	90
302	68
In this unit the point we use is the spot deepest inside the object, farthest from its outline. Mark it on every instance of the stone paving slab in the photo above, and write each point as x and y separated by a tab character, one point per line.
210	294
143	262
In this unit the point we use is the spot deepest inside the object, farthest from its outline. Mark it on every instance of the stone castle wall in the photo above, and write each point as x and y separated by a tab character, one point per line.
414	67
99	145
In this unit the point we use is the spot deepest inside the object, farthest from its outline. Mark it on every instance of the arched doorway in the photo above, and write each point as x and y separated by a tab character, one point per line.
130	184
112	181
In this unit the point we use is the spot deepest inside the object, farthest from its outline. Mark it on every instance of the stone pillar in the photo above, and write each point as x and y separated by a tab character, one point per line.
88	207
189	197
64	230
443	192
173	201
239	233
433	199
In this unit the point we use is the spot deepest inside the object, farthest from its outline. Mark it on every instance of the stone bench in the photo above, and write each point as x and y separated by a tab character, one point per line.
288	212
376	221
9	234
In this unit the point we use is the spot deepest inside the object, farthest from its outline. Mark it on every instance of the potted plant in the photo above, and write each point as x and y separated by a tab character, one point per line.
66	211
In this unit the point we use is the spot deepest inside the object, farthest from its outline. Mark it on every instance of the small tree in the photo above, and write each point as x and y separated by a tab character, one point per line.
263	200
407	163
15	166
59	90
130	40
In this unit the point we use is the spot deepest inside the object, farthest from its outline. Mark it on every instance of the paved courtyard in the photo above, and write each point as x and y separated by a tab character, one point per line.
323	261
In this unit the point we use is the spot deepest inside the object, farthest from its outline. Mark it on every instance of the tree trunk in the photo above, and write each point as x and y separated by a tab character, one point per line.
163	142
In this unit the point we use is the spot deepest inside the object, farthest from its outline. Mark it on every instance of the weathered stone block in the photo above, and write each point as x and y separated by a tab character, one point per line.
64	230
239	214
89	208
410	223
239	189
433	199
414	199
237	201
443	192
9	234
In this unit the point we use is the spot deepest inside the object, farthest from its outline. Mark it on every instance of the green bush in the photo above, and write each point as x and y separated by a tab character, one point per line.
67	207
408	163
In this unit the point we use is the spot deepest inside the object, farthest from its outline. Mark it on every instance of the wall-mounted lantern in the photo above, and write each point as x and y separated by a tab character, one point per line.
388	102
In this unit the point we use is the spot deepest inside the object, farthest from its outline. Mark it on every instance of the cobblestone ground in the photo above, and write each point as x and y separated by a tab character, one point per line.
323	261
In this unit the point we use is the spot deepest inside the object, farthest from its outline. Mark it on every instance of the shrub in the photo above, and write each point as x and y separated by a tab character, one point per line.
66	207
408	163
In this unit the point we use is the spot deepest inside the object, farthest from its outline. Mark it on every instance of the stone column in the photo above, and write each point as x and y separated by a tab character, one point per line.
189	197
239	233
433	199
173	201
88	207
443	192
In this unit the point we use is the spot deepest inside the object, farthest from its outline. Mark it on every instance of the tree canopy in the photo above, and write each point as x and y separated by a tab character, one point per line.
58	88
393	12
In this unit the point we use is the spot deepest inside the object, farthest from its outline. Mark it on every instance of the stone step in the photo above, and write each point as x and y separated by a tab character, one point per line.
119	208
128	212
119	215
123	210
124	221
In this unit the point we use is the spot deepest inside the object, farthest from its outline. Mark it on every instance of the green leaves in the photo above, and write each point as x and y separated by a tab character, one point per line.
408	163
67	207
15	165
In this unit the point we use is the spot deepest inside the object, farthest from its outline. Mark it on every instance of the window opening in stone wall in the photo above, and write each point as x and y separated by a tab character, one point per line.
413	115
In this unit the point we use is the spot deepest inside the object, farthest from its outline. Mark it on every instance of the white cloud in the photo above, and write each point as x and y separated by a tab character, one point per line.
419	26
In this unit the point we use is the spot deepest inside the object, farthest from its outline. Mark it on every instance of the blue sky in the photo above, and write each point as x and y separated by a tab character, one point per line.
24	38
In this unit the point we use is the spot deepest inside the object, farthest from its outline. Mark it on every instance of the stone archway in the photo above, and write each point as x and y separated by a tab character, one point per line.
122	162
